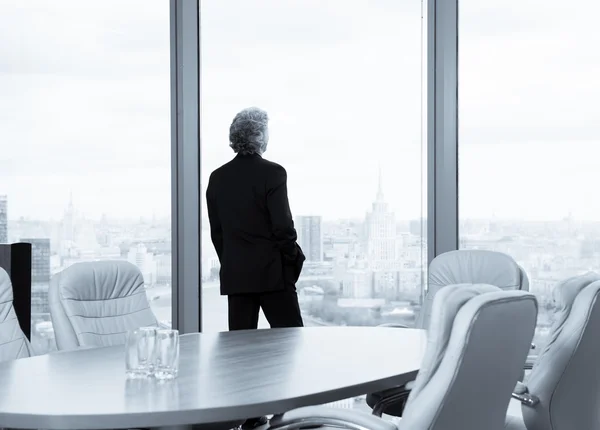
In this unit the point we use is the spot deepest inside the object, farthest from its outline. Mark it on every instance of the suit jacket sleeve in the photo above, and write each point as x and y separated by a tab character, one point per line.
282	222
216	232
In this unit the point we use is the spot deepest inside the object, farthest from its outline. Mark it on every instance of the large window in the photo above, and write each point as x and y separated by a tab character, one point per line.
530	137
342	82
86	140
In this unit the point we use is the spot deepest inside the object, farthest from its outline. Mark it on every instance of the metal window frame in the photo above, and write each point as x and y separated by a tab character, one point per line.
442	127
185	165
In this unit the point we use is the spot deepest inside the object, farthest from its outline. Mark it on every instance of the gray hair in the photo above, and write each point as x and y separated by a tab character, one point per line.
248	131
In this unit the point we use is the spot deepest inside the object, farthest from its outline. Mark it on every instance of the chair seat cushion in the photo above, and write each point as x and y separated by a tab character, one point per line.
514	416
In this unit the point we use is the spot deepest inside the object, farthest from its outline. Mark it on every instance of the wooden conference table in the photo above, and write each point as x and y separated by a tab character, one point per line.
222	377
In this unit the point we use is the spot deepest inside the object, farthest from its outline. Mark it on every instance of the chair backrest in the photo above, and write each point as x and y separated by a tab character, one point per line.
13	342
566	375
471	267
96	303
478	342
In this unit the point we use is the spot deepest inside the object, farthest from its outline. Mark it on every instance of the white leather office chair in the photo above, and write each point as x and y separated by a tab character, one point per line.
563	389
471	267
452	268
478	340
94	304
13	342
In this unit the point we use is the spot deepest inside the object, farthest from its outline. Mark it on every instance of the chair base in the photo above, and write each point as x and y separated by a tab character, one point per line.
389	402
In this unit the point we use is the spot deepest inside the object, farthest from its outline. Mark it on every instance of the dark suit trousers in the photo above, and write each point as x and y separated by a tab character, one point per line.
281	309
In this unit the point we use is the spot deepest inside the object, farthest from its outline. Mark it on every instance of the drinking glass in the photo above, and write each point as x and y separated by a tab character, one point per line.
140	350
166	354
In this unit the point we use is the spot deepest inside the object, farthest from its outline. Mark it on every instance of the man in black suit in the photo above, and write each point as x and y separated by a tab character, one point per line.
252	230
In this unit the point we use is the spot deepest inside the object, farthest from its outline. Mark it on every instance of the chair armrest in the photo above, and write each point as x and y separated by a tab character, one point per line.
314	416
521	393
520	388
393	325
526	399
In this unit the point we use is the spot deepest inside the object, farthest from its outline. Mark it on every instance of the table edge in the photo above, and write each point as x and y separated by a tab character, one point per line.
195	416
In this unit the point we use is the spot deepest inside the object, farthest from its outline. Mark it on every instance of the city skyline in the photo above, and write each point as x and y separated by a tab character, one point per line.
378	266
145	217
474	235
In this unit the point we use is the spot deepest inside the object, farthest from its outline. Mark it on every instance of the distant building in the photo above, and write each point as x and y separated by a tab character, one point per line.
3	219
358	284
381	234
144	260
40	259
40	275
310	237
69	222
163	268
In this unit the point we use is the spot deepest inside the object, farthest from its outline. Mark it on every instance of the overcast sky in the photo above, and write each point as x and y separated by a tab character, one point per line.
85	104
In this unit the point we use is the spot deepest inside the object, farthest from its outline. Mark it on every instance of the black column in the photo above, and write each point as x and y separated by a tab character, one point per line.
15	258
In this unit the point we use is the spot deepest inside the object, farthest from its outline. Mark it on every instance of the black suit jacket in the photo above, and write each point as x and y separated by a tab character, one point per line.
252	227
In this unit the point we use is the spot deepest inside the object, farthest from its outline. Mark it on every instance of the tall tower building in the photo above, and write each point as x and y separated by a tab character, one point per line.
381	233
68	221
3	219
310	237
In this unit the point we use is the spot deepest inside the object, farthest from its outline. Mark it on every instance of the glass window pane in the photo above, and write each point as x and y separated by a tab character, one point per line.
341	82
529	137
85	132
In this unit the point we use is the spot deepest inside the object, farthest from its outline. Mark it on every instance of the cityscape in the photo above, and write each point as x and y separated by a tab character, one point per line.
366	271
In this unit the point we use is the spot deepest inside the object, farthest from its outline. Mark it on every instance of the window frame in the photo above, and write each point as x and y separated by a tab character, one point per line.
442	127
185	166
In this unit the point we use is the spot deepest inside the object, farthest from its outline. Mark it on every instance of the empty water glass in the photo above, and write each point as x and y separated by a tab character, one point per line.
166	354
140	349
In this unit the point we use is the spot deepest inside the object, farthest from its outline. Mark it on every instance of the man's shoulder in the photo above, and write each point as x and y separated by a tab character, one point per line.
258	168
220	171
272	167
216	178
